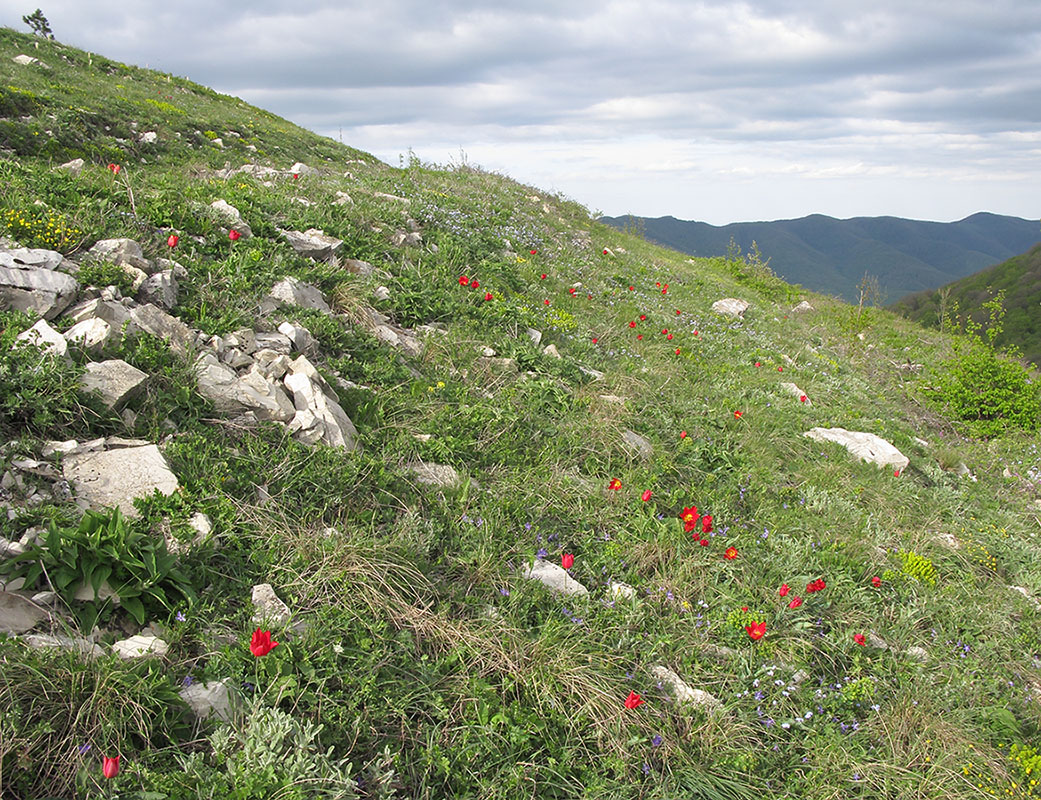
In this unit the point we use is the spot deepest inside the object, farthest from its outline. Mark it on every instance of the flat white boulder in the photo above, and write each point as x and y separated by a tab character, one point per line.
140	646
865	446
114	380
796	392
313	243
213	697
554	577
84	647
30	282
113	478
294	292
19	614
230	216
440	475
802	308
730	306
683	693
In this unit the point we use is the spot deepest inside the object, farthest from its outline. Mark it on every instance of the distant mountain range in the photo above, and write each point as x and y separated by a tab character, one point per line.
1020	277
832	255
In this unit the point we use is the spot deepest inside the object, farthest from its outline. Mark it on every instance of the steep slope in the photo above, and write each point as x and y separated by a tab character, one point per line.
1019	278
355	417
832	256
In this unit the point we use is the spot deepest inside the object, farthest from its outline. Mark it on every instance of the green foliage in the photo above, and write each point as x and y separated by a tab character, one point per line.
104	548
987	390
39	24
104	273
43	228
37	388
918	568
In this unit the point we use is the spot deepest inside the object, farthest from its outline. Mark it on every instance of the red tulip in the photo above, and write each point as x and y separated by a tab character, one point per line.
758	364
632	288
796	602
695	333
614	485
464	281
706	523
605	251
487	295
704	542
677	351
566	560
896	474
876	581
543	276
632	324
756	630
533	252
234	235
296	176
730	554
110	766
744	608
802	398
683	434
172	241
545	302
474	284
114	168
572	291
664	331
642	316
261	644
669	337
780	369
678	312
594	340
783	591
646	495
737	414
633	700
815	586
859	639
590	296
639	336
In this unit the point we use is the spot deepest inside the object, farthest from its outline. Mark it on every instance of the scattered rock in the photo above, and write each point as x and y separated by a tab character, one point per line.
148	137
403	239
269	609
319	416
29	282
802	308
210	698
121	252
919	654
111	478
343	199
875	640
84	647
440	475
621	591
297	293
251	392
301	169
535	336
865	446
313	243
45	337
301	338
636	442
231	217
160	289
381	293
730	306
553	576
18	614
115	380
613	398
595	374
683	693
796	392
152	319
91	334
363	268
25	60
73	167
1026	593
551	351
140	646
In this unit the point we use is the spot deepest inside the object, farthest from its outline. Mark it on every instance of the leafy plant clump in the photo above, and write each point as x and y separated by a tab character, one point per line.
104	549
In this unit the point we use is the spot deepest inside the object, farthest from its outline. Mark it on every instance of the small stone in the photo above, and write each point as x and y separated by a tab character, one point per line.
440	475
730	306
636	442
300	337
797	393
148	137
140	646
231	217
18	614
91	334
535	336
115	477
73	167
381	293
621	591
683	693
84	647
554	577
919	654
44	337
802	308
270	610
209	698
551	350
297	293
116	381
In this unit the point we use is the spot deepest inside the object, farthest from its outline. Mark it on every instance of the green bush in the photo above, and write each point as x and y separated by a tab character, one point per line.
104	548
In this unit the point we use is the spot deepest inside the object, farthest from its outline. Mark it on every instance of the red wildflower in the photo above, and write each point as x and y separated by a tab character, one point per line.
261	644
678	312
783	591
474	284
704	542
758	364
646	495
802	398
677	351
614	485
859	639
546	302
543	276
664	331
756	630
639	336
643	317
669	337
114	168
234	235
464	281
173	240
737	414
690	518
632	324
796	602
296	176
706	523
572	291
632	288
695	333
876	581
110	766
780	369
896	474
590	296
566	560
683	434
533	252
815	586
744	608
594	340
730	554
633	700
487	295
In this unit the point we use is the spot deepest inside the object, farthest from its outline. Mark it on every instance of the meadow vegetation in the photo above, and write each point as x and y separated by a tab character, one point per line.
418	662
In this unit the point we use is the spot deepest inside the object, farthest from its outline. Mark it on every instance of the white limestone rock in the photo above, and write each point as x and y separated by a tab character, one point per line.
865	446
74	167
111	478
44	337
30	282
621	591
802	308
140	646
294	292
19	614
440	475
553	576
303	341
797	393
230	216
730	306
683	693
637	443
313	243
115	380
84	647
91	334
152	319
210	698
318	417
269	610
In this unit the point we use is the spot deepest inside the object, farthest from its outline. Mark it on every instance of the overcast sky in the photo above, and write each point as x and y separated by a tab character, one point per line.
718	111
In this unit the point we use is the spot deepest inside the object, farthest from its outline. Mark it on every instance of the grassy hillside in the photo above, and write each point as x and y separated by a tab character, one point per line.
1019	278
833	255
418	661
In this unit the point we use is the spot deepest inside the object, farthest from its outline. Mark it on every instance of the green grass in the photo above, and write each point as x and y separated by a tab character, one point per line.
432	668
